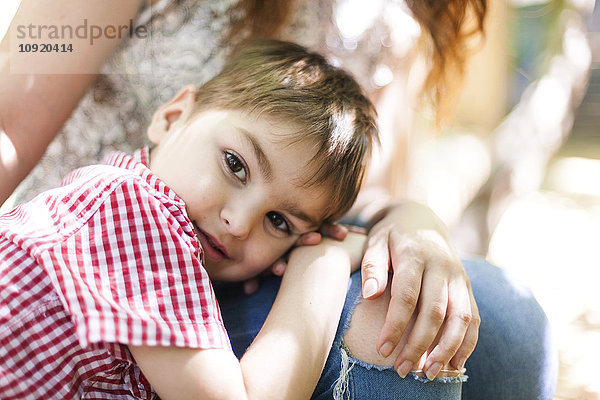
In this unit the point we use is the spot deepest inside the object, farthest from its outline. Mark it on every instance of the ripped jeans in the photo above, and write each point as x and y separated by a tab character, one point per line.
515	357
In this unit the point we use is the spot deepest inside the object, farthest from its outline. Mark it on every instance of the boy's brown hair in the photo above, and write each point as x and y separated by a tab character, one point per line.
285	81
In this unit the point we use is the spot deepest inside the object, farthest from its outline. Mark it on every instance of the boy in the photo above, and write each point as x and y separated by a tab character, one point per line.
104	280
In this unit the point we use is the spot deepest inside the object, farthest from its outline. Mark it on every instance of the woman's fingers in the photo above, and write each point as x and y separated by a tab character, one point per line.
375	265
404	293
459	323
470	340
429	278
402	305
457	333
432	308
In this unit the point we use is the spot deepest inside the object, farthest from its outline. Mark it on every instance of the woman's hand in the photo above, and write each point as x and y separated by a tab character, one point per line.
428	280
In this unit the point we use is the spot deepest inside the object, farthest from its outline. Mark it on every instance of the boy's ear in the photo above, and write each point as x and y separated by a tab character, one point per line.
178	109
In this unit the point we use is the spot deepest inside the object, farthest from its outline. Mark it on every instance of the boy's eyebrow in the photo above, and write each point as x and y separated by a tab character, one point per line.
263	161
267	172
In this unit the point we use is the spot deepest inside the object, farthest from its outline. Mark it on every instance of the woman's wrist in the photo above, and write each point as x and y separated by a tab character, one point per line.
409	216
369	203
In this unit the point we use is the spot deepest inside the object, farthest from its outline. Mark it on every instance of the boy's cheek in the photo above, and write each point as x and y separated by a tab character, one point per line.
269	250
265	262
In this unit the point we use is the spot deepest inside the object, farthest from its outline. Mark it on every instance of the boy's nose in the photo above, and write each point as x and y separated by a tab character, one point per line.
238	223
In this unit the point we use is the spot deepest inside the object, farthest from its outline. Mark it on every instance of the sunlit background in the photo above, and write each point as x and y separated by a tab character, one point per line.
517	177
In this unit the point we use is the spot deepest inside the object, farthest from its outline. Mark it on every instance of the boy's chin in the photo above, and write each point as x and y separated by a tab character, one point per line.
231	274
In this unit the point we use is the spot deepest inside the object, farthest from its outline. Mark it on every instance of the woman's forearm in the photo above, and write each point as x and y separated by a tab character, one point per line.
39	91
406	215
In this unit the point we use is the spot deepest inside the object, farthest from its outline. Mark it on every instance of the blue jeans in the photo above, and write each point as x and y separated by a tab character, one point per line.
515	357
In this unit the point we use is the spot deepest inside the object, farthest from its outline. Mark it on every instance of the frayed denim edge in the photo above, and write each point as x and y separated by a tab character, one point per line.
355	361
347	312
444	379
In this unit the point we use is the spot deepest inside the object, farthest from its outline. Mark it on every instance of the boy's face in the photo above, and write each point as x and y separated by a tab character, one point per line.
241	187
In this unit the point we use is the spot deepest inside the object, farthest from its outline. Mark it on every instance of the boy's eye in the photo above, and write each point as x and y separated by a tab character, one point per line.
278	221
236	166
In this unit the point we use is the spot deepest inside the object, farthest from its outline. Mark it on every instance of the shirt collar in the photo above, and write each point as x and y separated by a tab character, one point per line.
129	161
139	162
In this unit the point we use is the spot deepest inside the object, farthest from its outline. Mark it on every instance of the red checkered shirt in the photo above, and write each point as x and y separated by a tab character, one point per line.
108	259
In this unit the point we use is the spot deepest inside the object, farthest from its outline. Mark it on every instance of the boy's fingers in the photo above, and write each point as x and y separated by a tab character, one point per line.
309	239
375	265
356	229
278	267
334	231
251	285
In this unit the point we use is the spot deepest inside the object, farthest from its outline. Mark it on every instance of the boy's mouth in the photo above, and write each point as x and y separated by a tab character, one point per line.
211	246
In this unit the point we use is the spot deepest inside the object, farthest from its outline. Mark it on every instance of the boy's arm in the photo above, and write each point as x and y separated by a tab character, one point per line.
286	358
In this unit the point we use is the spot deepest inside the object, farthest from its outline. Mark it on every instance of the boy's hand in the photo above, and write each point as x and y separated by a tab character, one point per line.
353	244
334	231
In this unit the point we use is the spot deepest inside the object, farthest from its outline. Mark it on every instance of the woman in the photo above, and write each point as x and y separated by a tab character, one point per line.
379	42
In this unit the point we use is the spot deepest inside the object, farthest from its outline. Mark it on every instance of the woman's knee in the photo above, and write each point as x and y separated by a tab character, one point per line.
363	333
355	369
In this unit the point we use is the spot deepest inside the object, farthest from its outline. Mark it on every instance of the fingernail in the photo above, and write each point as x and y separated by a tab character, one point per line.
370	288
433	371
405	368
250	287
386	349
461	363
278	268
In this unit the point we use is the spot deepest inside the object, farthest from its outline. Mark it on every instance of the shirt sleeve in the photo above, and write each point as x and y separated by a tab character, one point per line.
133	275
